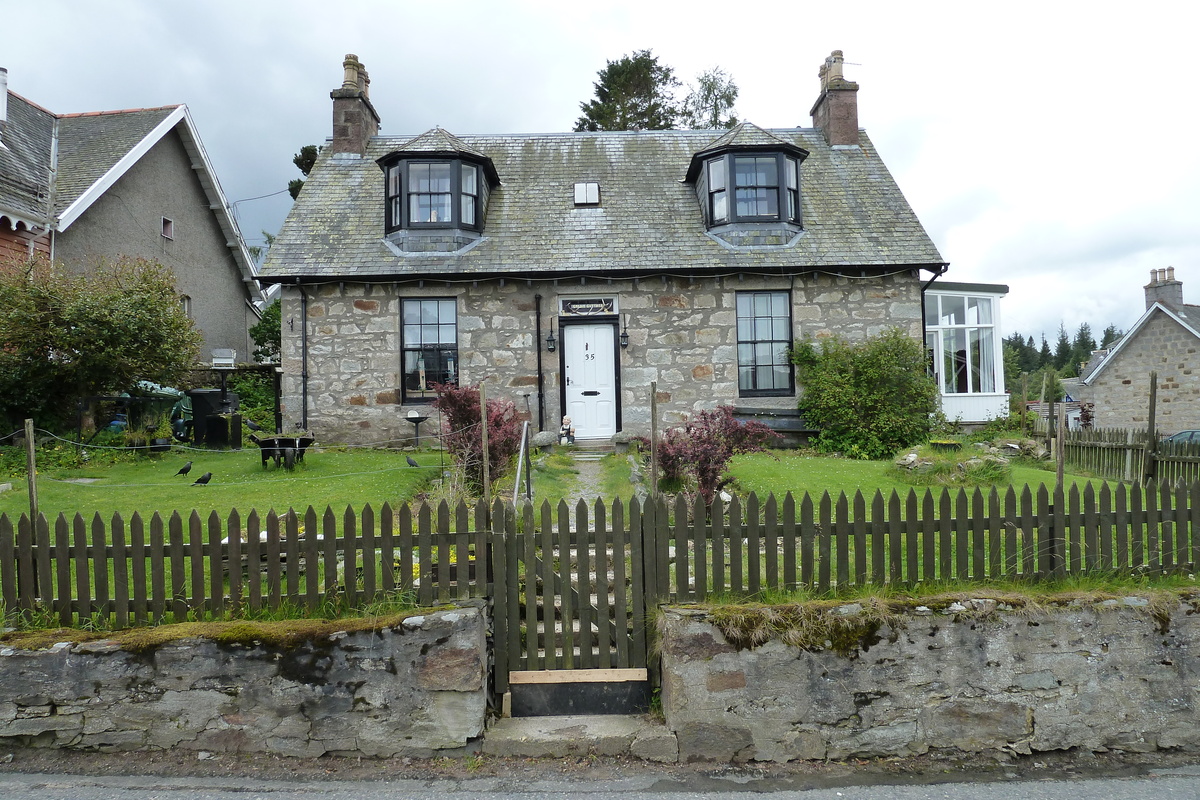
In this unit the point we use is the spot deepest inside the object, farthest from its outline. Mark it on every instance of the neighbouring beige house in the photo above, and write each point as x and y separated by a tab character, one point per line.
573	270
1166	340
81	188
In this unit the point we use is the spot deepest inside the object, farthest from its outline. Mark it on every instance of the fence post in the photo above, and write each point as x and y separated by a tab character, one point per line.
1149	465
654	439
31	468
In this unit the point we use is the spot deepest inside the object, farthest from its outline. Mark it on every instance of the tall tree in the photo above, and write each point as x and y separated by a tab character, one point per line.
304	161
709	103
1082	345
634	93
1110	336
1062	348
1045	357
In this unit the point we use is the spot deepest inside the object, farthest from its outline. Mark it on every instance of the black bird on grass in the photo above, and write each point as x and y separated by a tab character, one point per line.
203	479
412	462
185	469
254	426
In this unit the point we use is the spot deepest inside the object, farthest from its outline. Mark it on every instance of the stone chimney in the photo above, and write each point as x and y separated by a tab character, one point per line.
354	118
835	113
1163	288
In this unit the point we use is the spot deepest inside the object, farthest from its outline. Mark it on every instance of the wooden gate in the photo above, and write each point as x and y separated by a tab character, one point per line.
571	593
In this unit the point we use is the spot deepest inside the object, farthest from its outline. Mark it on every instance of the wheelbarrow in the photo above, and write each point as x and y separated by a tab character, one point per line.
285	450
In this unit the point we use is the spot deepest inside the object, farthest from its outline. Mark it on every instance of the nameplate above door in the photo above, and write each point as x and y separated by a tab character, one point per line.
587	306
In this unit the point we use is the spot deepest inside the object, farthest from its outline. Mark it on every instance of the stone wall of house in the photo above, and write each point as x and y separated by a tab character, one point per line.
1121	392
413	690
682	334
969	677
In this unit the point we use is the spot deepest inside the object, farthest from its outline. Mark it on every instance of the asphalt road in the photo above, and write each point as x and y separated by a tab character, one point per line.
1171	783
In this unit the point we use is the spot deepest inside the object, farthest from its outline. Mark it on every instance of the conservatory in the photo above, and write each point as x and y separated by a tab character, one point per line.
965	347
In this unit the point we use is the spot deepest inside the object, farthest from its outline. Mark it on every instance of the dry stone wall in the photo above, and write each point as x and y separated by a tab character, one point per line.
682	334
971	678
412	690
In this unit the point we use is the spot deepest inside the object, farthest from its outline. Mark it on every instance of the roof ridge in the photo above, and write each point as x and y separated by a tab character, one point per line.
120	111
26	100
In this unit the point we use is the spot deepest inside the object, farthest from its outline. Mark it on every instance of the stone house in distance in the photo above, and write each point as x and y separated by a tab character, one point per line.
78	188
1165	339
571	270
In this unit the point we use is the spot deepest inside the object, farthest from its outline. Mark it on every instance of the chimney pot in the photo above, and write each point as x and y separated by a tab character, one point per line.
835	113
1164	288
355	120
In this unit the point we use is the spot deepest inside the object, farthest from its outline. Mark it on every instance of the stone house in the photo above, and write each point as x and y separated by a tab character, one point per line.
570	271
79	188
1165	339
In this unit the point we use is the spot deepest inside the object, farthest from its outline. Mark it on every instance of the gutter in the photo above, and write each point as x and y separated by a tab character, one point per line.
941	270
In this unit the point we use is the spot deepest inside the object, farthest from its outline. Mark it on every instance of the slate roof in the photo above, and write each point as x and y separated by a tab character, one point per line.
648	221
94	150
89	145
1185	314
24	179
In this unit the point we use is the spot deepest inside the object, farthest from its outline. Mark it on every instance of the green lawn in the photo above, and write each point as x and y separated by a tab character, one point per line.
797	472
335	478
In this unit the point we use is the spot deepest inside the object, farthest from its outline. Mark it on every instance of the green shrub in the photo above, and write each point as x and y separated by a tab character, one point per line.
867	399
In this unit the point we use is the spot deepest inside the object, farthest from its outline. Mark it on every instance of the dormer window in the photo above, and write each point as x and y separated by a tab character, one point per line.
765	187
443	193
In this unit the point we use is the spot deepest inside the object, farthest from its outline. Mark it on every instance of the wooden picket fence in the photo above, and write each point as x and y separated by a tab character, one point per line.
119	572
573	587
1122	454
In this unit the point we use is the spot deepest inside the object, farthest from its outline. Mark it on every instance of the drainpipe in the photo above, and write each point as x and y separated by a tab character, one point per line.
303	357
537	344
941	270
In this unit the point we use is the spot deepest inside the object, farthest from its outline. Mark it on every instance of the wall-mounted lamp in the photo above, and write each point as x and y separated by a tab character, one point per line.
624	337
551	342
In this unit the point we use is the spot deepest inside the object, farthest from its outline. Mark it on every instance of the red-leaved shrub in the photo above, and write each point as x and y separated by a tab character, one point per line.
704	444
462	435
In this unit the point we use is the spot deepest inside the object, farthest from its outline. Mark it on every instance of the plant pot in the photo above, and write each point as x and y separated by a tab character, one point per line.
160	445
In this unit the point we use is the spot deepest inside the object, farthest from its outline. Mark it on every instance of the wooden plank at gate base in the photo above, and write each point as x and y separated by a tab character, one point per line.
578	676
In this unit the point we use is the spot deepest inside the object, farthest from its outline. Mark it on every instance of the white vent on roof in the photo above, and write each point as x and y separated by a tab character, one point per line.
587	194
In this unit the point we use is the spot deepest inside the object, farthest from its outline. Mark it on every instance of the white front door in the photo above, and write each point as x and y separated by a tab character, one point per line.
590	378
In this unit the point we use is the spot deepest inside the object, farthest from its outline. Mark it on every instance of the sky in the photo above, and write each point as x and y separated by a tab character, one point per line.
1049	146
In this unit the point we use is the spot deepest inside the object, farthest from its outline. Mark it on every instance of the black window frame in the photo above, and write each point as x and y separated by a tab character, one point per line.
440	359
786	198
399	192
751	341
